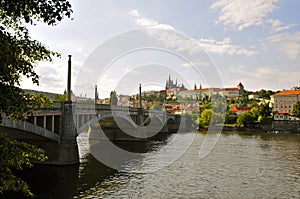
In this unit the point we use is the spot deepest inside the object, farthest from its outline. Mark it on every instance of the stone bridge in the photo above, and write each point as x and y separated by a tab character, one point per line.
55	129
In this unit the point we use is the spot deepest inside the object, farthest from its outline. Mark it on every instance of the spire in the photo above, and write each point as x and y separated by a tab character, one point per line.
195	87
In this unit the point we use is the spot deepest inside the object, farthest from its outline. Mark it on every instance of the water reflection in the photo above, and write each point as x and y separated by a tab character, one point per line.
49	182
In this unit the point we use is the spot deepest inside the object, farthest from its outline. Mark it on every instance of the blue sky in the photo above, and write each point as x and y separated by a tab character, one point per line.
255	42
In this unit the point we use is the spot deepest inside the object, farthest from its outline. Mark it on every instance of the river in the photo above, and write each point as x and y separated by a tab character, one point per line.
241	165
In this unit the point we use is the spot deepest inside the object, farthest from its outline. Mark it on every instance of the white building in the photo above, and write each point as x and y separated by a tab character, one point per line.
202	92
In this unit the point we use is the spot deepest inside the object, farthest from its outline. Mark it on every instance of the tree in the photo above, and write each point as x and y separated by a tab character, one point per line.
230	118
19	55
246	119
208	105
205	117
243	101
60	98
264	110
16	155
217	118
40	101
208	116
19	52
296	109
113	100
265	93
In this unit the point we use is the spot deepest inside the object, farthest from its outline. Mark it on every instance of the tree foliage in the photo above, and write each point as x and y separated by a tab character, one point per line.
15	156
264	110
19	52
205	117
247	119
296	109
265	93
60	98
208	116
38	101
230	118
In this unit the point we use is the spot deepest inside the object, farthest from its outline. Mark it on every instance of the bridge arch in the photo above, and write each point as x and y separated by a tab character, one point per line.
31	128
116	115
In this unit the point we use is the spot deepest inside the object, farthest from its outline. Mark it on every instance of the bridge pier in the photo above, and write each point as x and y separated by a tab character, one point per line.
67	153
140	117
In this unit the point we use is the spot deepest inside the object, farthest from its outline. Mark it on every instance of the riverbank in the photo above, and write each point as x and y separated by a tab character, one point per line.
273	127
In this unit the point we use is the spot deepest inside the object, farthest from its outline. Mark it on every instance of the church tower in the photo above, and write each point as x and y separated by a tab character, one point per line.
240	86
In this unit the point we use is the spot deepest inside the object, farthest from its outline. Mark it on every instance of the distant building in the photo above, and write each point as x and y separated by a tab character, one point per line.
240	109
235	91
260	100
104	101
201	93
284	101
170	84
285	116
253	95
173	88
123	100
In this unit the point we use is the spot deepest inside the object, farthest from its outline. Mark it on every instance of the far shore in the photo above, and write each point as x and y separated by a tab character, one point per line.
252	130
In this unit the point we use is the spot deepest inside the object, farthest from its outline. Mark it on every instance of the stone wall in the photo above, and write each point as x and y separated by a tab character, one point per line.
290	126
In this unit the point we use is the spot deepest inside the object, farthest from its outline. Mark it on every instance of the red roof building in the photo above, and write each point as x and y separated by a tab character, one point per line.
240	109
284	101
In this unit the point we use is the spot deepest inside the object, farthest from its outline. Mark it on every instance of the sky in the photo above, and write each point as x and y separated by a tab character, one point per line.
117	45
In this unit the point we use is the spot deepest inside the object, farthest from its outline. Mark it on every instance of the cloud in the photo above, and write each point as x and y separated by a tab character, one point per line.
50	79
143	21
197	63
269	76
287	43
278	26
224	47
241	14
192	45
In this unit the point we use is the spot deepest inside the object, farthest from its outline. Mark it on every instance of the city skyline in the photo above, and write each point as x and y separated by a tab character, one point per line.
253	42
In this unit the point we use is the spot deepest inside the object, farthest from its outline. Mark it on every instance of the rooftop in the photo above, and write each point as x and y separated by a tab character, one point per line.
288	92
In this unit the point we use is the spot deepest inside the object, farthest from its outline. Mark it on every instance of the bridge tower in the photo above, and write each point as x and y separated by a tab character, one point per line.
68	148
67	152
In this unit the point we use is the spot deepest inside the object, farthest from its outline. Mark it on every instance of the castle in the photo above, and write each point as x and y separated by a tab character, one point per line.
173	88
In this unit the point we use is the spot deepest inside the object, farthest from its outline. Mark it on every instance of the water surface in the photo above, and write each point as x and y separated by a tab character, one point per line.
240	166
